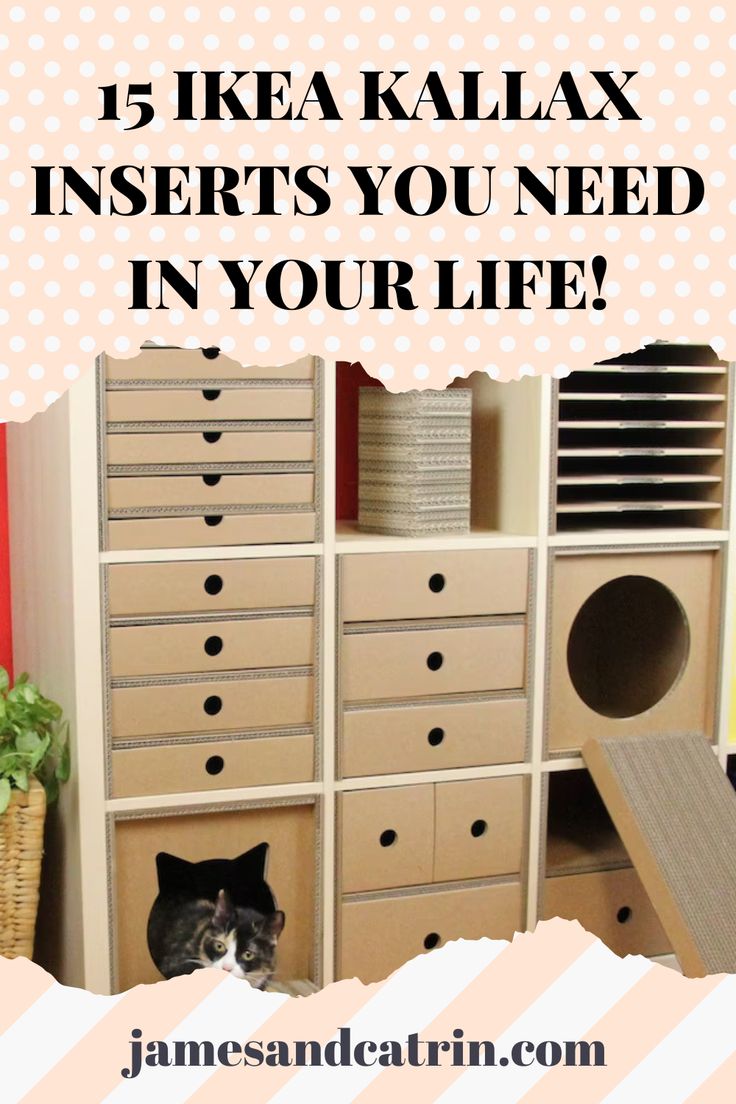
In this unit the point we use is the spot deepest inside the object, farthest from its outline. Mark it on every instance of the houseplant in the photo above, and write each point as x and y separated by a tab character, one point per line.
34	760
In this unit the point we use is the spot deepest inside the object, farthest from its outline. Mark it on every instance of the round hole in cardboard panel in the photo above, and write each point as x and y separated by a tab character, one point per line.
435	736
628	645
215	764
623	915
437	583
213	584
388	838
431	941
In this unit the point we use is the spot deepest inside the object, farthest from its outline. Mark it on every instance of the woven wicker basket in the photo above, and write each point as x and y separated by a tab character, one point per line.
21	851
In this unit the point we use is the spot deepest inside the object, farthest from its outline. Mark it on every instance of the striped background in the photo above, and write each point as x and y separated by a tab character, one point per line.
667	1039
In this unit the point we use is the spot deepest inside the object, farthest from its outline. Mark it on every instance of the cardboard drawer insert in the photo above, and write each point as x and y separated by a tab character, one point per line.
252	643
207	491
212	765
404	926
209	448
611	904
290	831
210	585
283	527
421	662
479	828
174	404
394	586
436	736
387	837
213	706
201	364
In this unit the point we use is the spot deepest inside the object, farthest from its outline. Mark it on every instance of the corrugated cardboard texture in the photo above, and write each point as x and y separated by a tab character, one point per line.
179	364
190	405
676	813
290	831
198	532
228	447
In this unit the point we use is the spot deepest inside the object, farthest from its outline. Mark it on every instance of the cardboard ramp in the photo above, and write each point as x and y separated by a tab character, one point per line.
675	811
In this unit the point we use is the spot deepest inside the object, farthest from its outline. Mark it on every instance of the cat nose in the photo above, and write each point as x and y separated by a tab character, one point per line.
227	966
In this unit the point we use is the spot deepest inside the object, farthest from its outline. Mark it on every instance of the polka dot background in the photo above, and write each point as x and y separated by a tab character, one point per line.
66	280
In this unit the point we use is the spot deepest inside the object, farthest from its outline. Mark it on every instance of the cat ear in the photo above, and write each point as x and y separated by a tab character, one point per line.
274	925
223	909
173	873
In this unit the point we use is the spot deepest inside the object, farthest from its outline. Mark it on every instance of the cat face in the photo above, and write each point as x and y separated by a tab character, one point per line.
241	941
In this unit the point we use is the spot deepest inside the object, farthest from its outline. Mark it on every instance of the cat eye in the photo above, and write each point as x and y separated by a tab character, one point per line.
248	956
219	947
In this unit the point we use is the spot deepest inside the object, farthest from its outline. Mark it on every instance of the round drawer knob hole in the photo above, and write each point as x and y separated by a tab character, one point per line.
212	519
212	705
624	915
388	838
211	480
437	583
215	764
212	438
435	736
478	828
431	941
213	645
435	660
211	395
213	584
211	353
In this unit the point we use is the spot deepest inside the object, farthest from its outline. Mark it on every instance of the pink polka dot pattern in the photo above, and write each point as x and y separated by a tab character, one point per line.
66	280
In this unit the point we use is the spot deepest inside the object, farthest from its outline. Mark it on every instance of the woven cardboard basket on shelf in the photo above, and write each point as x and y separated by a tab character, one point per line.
21	851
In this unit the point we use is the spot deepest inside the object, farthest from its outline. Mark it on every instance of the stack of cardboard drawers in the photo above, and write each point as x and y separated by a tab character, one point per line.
203	451
433	671
210	664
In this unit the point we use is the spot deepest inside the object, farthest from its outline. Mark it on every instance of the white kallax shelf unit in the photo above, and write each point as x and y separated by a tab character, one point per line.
362	766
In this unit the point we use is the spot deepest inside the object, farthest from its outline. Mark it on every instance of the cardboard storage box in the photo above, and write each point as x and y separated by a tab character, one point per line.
147	492
208	404
380	934
451	831
205	586
398	585
611	904
634	639
203	646
214	705
246	445
166	364
411	663
212	530
433	736
212	765
290	831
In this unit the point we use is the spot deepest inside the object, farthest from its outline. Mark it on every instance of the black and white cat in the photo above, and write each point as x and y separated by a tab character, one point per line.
218	914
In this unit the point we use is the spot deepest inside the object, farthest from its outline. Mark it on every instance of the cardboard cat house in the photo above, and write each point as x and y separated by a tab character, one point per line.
633	643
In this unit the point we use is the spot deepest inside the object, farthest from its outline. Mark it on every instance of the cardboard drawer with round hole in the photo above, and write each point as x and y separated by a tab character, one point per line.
395	739
212	765
404	585
403	926
212	530
479	828
209	448
180	404
143	650
420	662
290	831
387	837
611	904
634	640
179	708
207	491
202	586
186	364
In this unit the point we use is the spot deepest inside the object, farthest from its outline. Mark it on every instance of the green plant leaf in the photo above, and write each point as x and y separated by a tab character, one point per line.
51	785
4	681
4	794
63	769
20	777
